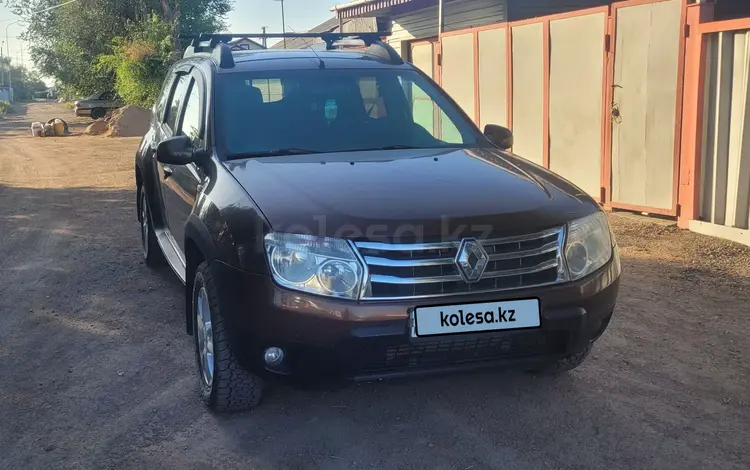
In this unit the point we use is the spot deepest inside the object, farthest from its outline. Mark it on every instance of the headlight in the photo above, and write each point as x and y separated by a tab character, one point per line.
588	246
324	266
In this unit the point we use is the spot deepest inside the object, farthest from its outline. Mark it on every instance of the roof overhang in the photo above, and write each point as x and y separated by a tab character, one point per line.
360	8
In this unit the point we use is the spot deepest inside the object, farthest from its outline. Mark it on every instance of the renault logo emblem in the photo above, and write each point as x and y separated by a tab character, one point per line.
471	260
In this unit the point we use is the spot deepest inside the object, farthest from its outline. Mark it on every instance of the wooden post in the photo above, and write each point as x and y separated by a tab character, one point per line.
688	197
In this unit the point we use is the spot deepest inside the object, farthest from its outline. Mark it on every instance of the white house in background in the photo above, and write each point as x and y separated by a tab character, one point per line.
333	25
245	44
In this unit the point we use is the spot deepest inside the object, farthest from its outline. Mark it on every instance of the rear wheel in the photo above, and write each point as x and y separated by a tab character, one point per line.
98	113
225	384
563	365
152	254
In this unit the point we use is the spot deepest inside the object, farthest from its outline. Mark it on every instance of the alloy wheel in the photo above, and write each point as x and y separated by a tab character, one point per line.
205	337
144	222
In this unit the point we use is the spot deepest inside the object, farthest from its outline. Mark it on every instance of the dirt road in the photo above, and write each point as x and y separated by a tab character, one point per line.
96	371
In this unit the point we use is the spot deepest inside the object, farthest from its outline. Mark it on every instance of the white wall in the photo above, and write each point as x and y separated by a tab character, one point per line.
725	185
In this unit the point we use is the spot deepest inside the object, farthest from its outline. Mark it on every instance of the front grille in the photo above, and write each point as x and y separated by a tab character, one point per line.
458	352
404	271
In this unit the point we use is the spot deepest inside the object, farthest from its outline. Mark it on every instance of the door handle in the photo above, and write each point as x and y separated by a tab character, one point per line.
168	171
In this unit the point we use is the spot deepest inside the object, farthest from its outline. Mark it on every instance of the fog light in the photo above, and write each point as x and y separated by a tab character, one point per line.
273	356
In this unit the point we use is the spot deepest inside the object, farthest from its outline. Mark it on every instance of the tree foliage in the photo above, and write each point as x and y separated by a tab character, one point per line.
140	60
92	45
5	108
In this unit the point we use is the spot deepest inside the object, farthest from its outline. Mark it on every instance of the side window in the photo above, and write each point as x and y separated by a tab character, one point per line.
374	104
192	116
270	88
178	96
108	96
161	103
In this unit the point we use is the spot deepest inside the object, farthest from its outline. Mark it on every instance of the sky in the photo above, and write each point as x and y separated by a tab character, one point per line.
248	16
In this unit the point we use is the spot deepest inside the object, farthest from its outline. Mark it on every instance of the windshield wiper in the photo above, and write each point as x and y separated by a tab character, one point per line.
386	147
398	147
273	153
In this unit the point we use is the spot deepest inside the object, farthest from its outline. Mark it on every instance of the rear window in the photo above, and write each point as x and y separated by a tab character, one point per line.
333	110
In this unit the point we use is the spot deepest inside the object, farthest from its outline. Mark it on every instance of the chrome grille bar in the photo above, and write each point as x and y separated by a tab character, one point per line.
378	246
519	272
406	263
549	247
521	238
413	280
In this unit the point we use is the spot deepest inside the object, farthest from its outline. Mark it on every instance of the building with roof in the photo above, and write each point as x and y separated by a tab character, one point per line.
245	44
334	25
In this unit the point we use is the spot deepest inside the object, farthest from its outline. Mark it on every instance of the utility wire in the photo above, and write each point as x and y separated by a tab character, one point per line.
44	9
54	7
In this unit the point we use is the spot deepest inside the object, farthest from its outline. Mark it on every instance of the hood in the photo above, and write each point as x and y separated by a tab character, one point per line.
409	195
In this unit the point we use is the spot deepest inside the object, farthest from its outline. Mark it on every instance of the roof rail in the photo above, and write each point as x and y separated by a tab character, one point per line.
216	44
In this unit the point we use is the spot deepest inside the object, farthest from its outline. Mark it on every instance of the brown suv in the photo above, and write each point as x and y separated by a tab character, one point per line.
335	214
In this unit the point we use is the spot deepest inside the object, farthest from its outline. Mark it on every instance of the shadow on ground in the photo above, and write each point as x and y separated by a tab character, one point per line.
98	373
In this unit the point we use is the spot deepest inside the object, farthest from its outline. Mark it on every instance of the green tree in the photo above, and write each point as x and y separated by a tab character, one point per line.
140	60
68	41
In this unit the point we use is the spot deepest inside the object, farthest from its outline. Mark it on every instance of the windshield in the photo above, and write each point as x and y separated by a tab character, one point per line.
328	110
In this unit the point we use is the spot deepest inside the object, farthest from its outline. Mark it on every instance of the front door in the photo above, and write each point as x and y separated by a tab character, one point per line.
644	105
181	182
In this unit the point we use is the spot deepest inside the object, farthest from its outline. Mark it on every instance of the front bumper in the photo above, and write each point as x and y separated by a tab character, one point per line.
323	337
82	111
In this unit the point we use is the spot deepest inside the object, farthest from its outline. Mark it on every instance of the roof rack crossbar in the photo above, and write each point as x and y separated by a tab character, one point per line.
208	43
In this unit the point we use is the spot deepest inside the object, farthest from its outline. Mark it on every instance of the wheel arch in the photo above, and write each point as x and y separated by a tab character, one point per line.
199	247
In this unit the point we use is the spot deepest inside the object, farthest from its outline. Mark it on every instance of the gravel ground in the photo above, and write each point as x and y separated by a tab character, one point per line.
97	372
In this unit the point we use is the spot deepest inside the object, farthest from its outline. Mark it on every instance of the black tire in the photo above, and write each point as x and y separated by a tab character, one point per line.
562	365
232	387
152	253
98	113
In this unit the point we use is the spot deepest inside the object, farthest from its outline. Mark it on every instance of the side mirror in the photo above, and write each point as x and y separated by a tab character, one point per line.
499	135
176	150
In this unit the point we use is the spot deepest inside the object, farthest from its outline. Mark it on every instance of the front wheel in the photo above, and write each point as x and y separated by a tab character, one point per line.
98	113
225	384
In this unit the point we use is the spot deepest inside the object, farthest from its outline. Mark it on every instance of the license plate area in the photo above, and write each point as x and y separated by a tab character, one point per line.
475	318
